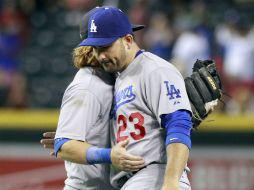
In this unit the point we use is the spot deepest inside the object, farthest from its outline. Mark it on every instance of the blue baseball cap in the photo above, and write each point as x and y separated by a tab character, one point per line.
106	25
83	25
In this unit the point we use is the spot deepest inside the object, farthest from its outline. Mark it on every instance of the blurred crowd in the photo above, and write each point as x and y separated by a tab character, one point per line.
180	31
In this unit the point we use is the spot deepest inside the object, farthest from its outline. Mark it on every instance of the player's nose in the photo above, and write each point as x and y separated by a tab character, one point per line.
101	56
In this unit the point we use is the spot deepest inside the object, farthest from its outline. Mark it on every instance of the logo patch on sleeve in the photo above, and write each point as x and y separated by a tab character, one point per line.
172	92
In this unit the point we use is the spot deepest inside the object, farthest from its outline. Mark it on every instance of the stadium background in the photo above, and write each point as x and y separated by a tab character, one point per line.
36	41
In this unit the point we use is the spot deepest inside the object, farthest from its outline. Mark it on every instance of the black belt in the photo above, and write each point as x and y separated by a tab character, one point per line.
121	181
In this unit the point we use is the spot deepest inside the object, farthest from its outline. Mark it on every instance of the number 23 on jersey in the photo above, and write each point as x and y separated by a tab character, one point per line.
138	122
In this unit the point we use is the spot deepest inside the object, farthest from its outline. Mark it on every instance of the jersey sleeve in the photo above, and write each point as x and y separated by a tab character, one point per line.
79	112
166	92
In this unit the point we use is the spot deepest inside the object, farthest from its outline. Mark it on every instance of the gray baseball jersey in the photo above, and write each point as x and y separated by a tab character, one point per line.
148	88
84	116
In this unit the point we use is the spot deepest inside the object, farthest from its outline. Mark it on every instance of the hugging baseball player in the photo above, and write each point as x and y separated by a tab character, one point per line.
150	105
82	136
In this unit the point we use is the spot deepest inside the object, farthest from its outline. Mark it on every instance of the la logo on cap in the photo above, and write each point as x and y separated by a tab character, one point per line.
93	27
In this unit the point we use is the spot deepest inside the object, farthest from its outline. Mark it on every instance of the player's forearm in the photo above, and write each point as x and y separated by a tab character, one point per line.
74	151
84	153
177	156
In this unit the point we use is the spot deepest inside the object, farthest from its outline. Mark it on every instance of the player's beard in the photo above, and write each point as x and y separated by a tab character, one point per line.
116	63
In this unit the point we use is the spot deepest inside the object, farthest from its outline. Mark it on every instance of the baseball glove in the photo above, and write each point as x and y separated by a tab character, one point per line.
85	56
204	89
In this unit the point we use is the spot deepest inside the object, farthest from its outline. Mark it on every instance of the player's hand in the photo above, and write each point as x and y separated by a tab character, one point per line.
122	160
48	141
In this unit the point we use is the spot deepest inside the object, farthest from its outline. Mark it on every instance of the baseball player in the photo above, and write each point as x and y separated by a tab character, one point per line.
82	136
150	105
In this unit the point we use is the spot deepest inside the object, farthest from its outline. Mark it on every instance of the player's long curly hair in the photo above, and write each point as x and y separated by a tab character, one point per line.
85	56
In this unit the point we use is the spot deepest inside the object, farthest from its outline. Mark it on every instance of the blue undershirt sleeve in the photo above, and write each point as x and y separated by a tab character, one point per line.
178	127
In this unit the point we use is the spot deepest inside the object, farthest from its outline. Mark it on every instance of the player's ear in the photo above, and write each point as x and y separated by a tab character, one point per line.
128	40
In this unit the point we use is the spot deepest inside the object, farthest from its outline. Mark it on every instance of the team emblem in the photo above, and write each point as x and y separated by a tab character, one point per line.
172	92
93	27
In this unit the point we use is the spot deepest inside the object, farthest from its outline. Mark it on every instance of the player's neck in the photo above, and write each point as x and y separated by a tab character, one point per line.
134	52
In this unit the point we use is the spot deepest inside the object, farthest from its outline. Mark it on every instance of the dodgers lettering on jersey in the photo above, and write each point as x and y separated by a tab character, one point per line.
149	87
122	97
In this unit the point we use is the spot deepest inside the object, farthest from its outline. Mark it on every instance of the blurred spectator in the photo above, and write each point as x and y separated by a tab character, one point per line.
189	47
12	26
139	14
193	39
236	39
80	4
159	36
17	97
10	37
4	87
